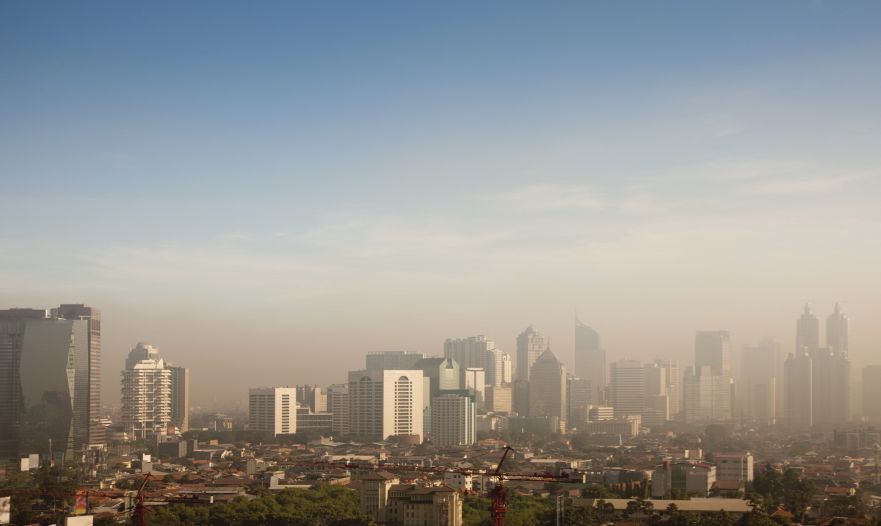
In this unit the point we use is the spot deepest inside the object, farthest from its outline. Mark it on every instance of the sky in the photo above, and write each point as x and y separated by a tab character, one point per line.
267	191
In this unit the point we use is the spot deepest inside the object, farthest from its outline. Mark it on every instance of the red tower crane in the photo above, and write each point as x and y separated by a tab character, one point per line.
499	495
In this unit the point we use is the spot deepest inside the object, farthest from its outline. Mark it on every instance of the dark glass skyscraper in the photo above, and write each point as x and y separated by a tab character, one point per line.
50	375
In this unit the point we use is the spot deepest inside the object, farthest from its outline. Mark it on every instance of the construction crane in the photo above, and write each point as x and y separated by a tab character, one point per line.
140	515
499	505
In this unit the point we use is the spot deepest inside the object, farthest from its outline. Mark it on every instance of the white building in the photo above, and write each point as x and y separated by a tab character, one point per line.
273	410
475	381
452	421
146	393
386	403
734	466
708	396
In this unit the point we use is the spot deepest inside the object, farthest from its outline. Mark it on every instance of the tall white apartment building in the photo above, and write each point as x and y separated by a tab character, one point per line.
386	403
146	393
273	410
452	420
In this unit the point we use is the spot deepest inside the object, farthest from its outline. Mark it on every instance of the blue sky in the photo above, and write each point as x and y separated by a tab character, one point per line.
416	171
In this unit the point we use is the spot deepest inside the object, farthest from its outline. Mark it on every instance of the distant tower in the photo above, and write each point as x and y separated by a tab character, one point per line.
547	388
627	388
530	345
590	359
807	332
837	331
759	381
713	349
798	390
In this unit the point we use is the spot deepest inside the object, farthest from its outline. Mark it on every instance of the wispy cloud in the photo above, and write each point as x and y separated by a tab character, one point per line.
552	196
804	185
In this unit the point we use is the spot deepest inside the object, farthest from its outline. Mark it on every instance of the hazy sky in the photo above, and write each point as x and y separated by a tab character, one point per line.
266	191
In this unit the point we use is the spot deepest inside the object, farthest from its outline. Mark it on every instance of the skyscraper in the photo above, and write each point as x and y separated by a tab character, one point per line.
312	397
829	388
872	394
837	331
50	384
386	403
580	397
146	393
180	397
657	395
547	388
807	331
759	381
530	345
673	380
708	397
627	388
798	391
713	349
590	358
478	352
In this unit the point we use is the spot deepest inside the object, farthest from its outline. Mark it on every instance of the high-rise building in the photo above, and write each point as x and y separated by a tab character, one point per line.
713	349
759	381
530	345
872	394
474	380
180	397
673	381
50	384
338	404
273	410
827	396
478	352
627	387
452	420
657	396
400	360
580	397
590	359
312	397
831	387
838	331
499	399
547	388
388	403
807	331
146	393
708	397
798	391
442	374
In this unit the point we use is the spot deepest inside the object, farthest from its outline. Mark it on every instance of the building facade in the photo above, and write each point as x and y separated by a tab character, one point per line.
273	410
627	387
590	359
146	393
530	345
388	403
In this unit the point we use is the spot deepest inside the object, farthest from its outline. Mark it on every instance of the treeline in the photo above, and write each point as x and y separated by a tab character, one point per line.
322	505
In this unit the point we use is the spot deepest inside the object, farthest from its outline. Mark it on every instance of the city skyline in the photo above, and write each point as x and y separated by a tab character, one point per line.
255	183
